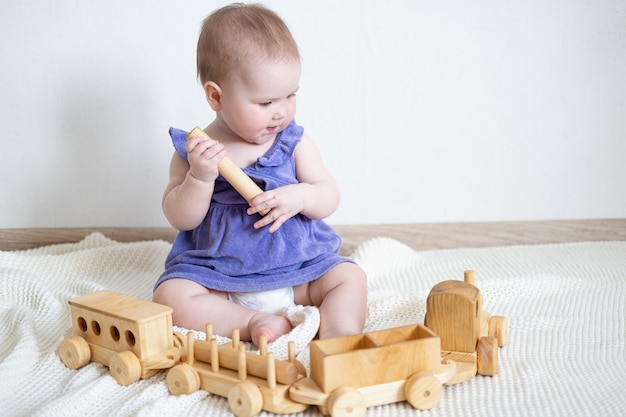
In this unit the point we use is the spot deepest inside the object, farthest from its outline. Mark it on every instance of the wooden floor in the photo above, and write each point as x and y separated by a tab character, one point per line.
475	235
417	236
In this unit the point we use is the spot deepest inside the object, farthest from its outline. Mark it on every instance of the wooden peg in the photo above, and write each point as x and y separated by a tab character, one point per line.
235	338
190	347
232	173
291	351
263	345
468	276
215	358
271	371
242	368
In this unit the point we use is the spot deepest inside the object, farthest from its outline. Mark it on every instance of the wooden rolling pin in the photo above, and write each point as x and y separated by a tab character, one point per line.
233	174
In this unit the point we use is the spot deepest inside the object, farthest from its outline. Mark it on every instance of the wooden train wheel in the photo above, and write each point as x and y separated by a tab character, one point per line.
346	402
74	352
498	328
125	367
183	379
487	356
245	399
422	390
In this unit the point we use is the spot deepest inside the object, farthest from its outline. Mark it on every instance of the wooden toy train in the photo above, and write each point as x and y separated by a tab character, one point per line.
135	339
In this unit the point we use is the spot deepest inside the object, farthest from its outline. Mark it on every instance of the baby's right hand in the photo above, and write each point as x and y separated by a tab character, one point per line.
204	155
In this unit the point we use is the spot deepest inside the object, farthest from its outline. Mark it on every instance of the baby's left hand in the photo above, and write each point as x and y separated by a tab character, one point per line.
284	203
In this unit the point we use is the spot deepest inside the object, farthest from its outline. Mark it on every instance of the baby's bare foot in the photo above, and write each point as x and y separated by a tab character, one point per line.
269	325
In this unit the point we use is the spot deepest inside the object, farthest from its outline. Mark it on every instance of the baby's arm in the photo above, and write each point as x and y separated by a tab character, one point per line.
316	195
322	191
186	198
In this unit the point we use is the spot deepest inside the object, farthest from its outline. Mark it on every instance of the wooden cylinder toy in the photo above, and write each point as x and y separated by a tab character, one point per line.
271	371
214	353
190	353
233	174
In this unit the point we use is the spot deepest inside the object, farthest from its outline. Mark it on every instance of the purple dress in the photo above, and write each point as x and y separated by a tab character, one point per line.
226	253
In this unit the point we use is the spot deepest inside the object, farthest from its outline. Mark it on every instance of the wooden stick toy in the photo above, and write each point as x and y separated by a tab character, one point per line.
232	173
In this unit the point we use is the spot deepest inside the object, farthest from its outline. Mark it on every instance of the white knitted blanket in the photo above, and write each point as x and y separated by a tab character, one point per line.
565	304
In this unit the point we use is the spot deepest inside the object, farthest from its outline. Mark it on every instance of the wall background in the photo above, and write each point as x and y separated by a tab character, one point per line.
425	111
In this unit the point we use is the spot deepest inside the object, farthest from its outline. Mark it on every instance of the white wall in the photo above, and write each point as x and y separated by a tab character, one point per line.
426	111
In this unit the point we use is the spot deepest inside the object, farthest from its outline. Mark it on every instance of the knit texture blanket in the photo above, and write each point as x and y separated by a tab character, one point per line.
565	304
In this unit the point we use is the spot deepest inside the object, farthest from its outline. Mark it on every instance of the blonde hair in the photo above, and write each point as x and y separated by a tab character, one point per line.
237	34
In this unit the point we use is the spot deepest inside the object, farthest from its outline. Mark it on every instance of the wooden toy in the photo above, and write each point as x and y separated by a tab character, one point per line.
232	173
133	337
251	382
349	374
469	335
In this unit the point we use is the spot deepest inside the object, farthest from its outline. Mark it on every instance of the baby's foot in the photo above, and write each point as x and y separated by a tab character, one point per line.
269	325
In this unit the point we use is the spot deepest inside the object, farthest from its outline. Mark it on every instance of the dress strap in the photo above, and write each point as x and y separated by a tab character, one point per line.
179	140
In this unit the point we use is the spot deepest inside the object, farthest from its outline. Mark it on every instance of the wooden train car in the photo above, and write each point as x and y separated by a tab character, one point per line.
469	335
133	337
252	382
350	374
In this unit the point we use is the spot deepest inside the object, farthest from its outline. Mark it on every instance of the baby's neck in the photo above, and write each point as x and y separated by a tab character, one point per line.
242	152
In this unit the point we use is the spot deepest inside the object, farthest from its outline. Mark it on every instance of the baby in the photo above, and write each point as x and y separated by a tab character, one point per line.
229	265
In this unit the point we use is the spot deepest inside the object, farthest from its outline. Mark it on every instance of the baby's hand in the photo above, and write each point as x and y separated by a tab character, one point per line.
284	203
204	155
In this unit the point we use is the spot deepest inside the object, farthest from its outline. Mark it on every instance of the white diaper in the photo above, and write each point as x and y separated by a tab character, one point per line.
271	302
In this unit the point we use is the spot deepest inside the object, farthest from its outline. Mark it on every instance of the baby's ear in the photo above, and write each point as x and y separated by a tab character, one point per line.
213	94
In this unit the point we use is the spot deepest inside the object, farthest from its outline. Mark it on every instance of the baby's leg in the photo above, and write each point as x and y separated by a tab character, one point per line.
195	306
341	295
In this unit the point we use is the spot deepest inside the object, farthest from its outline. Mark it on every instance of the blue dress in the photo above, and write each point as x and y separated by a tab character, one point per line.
226	253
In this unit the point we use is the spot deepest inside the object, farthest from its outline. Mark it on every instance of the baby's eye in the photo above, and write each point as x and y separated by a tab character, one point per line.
266	104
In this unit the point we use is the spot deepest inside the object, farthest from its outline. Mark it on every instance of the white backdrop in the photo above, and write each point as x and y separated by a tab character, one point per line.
425	111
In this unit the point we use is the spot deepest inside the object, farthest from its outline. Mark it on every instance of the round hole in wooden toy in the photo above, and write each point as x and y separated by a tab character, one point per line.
95	327
115	333
130	338
82	324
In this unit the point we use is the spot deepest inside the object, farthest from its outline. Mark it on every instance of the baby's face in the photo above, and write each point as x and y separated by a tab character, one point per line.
261	101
